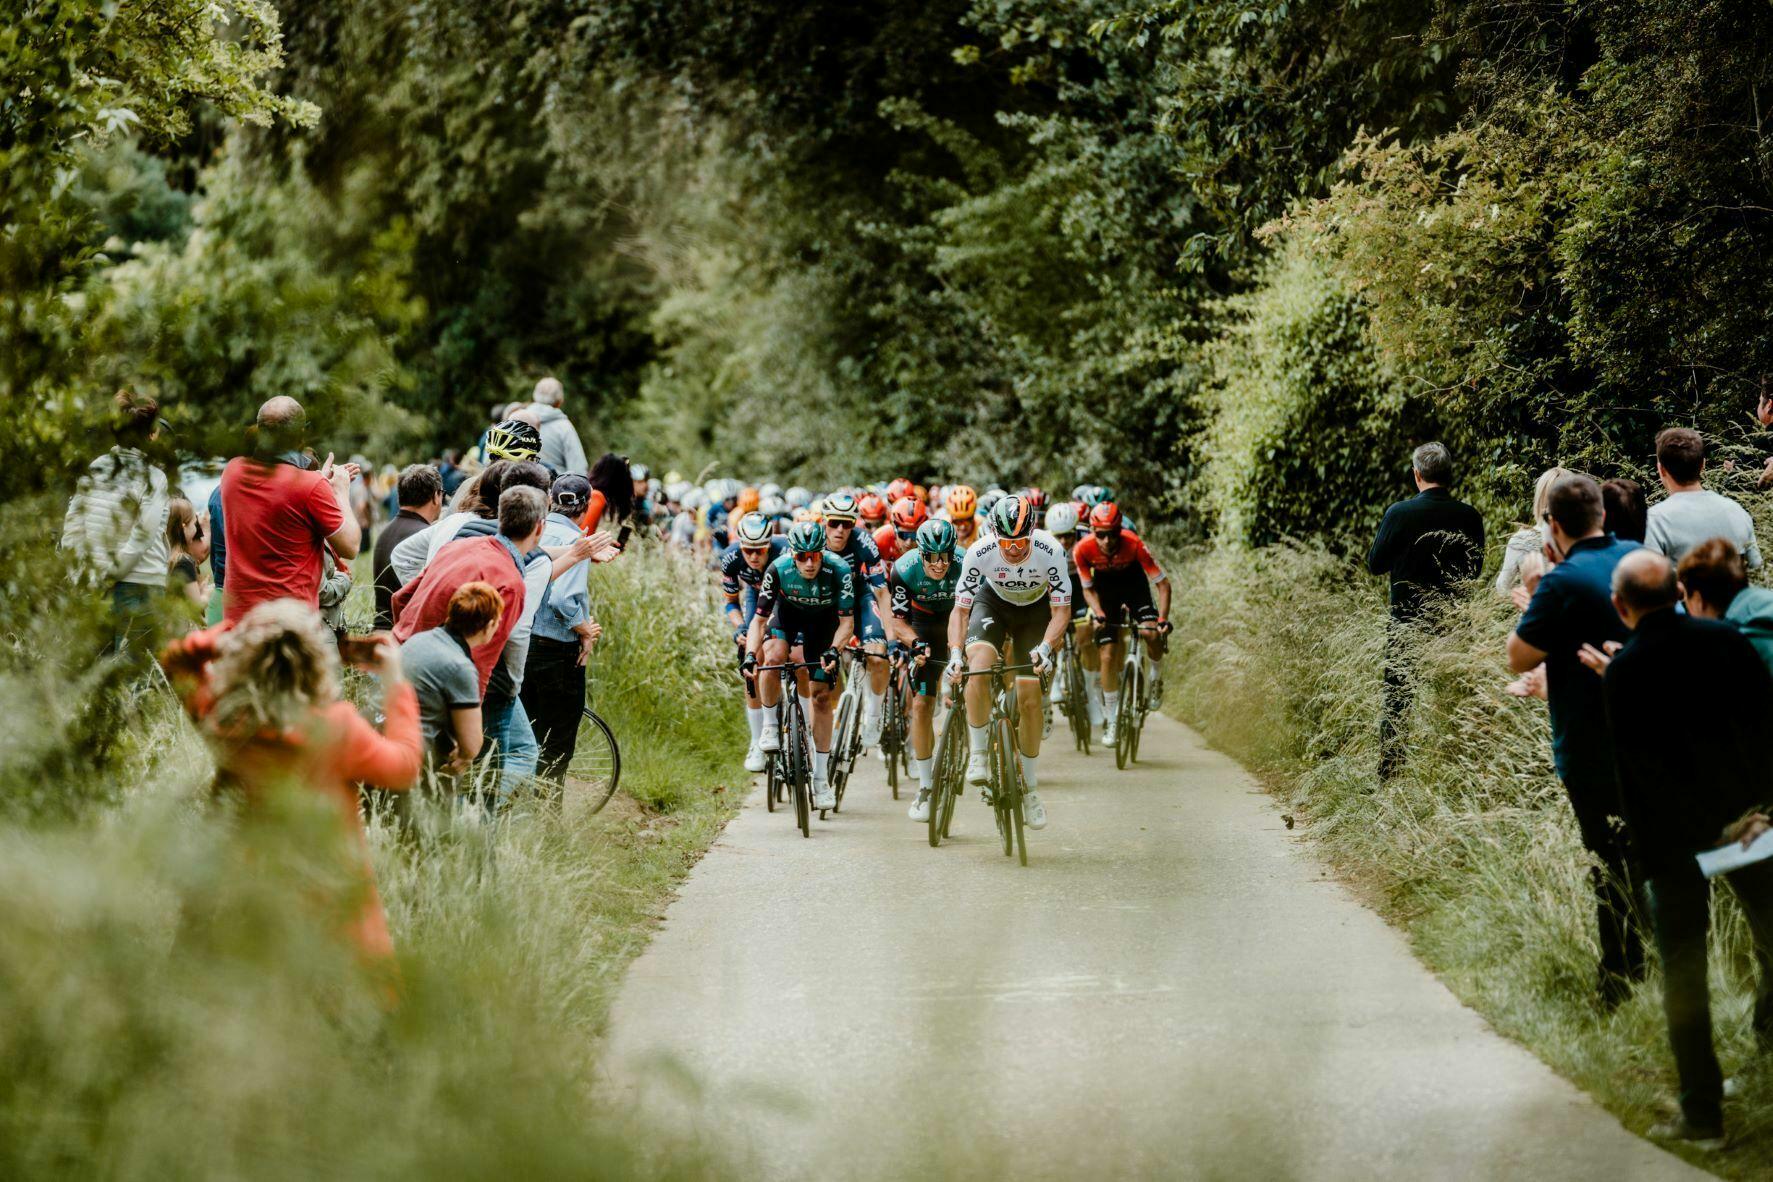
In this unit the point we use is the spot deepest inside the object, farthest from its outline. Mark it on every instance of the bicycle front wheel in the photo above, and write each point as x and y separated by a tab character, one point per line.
945	784
596	766
1123	725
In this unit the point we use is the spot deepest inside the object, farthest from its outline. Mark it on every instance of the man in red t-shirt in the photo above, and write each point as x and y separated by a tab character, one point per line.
277	518
423	604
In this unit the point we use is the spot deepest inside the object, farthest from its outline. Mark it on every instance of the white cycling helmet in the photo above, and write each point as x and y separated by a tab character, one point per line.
768	489
754	530
1062	518
773	506
798	497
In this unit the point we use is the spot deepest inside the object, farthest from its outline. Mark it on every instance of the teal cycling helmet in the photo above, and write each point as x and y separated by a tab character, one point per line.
807	537
1012	519
753	531
935	537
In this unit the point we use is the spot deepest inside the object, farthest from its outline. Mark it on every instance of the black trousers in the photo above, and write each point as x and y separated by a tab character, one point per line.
1619	913
1399	695
554	695
1680	903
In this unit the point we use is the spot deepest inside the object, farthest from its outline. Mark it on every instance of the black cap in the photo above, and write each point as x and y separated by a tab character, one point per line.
570	492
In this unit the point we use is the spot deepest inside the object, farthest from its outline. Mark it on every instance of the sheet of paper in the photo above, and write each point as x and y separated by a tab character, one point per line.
1733	857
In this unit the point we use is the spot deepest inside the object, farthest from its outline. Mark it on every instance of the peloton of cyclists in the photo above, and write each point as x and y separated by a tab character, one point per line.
805	612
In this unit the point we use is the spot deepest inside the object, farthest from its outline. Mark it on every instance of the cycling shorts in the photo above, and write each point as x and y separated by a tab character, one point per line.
927	679
993	621
810	635
1129	590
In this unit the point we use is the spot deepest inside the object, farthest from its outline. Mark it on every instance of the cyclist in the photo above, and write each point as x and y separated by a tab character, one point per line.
805	605
514	440
962	504
872	510
899	536
755	546
1062	524
1013	588
856	547
1116	570
898	489
922	582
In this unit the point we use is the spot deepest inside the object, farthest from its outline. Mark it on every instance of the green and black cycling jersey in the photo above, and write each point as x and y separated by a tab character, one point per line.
795	600
918	599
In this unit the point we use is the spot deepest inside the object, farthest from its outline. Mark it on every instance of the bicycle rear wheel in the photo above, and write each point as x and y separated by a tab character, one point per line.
946	783
1077	704
596	766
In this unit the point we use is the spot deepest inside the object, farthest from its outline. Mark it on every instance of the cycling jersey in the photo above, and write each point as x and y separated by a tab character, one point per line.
1093	563
863	558
1041	574
805	612
919	599
736	573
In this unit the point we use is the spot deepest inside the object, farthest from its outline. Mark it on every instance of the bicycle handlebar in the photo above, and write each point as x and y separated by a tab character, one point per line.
999	669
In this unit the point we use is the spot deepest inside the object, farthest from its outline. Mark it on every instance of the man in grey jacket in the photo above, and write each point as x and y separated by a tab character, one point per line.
115	528
561	449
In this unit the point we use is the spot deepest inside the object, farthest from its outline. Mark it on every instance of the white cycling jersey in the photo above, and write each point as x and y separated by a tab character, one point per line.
1041	574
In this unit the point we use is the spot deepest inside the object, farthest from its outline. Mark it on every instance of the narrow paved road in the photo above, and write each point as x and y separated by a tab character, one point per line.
1172	988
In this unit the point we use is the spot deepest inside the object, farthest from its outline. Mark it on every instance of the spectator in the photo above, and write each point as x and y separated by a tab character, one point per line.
451	470
1688	701
279	518
335	589
266	695
1627	517
612	491
1714	582
420	491
218	553
442	670
115	527
1691	514
478	498
561	449
1427	545
187	548
554	676
1522	559
1573	607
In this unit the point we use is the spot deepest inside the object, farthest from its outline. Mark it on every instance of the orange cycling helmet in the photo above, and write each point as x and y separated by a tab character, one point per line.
963	502
908	514
749	499
872	509
1106	516
899	489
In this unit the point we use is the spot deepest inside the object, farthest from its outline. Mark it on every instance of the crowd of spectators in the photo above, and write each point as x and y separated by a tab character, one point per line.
1654	655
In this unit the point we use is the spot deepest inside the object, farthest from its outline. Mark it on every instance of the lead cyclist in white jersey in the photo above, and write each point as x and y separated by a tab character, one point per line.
1014	587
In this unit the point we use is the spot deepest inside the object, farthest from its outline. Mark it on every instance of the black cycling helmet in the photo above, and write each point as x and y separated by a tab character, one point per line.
514	440
1012	519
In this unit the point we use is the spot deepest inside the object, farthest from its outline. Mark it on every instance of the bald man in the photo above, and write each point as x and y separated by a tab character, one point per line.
279	518
1688	701
561	449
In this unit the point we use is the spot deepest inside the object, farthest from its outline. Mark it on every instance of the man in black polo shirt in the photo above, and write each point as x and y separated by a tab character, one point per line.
421	500
1428	545
1688	700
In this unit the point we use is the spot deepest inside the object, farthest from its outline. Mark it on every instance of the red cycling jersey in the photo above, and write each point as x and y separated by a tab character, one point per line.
1091	561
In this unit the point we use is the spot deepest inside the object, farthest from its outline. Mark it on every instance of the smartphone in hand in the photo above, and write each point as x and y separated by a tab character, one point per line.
622	537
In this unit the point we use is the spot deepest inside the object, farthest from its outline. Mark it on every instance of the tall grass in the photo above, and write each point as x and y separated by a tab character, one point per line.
1473	849
175	1005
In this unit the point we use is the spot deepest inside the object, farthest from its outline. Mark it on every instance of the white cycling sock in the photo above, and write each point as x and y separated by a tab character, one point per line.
871	708
979	738
921	768
1029	774
1093	695
1111	702
1150	669
806	711
820	759
754	719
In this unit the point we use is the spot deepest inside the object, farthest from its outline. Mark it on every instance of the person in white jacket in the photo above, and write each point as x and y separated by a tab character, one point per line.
115	527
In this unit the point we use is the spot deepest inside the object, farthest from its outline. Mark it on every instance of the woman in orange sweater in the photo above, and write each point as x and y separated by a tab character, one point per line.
265	693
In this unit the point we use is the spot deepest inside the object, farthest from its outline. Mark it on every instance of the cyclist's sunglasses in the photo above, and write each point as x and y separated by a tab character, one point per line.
1106	535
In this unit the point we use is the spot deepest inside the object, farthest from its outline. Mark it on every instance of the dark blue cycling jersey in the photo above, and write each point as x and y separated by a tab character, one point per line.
736	573
863	557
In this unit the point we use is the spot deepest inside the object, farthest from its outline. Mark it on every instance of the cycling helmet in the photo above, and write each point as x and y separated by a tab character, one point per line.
990	499
773	507
1105	516
1081	491
513	440
1036	498
1062	518
749	499
805	513
872	509
909	514
798	497
1093	495
639	471
753	532
936	537
1012	519
768	489
899	489
1104	493
841	507
963	502
807	537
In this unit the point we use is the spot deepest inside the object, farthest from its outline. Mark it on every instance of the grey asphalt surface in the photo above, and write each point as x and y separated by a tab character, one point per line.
1174	987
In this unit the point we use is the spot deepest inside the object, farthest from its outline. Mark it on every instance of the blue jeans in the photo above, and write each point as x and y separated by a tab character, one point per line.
507	725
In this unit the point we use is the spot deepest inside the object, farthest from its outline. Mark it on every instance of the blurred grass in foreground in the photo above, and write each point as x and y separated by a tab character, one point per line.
1472	849
174	1006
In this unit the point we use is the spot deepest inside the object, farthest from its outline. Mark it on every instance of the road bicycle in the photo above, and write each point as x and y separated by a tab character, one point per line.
1006	787
791	764
1074	702
1135	703
895	726
846	730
